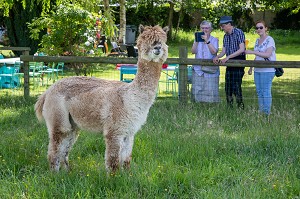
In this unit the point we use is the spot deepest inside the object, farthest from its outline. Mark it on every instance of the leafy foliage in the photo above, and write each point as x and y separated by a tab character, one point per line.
71	30
7	5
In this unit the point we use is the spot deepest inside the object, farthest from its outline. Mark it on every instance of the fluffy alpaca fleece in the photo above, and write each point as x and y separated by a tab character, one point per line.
115	108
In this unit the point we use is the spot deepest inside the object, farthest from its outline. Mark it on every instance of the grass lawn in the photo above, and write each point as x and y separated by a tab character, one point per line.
183	151
191	151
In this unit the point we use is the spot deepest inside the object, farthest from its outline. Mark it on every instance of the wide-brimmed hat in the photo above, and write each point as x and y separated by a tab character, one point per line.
225	19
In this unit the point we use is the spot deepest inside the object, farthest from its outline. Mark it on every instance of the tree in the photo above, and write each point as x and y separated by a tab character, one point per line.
71	31
170	24
17	13
293	5
110	27
122	32
179	8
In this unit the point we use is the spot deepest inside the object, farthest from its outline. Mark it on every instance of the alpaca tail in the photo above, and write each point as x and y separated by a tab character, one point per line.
38	107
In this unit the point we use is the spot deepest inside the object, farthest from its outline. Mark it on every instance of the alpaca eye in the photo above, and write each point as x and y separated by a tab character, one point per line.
156	43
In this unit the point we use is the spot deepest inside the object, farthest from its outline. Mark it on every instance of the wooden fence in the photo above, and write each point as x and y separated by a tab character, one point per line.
183	61
25	52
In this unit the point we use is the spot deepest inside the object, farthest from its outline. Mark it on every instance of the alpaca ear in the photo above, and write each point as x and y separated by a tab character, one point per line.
141	28
166	29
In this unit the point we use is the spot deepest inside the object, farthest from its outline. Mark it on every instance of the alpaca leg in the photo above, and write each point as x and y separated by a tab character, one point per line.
58	149
126	151
65	147
54	162
112	153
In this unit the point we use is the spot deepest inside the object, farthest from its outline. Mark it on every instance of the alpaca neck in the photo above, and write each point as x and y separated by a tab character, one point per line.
148	75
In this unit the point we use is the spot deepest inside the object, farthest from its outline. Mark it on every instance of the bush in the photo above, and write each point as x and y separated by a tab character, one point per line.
70	30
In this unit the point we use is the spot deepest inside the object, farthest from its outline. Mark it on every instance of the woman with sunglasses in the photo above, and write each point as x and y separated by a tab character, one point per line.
205	79
264	49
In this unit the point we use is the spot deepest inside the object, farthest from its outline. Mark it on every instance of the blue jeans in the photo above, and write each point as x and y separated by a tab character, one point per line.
263	83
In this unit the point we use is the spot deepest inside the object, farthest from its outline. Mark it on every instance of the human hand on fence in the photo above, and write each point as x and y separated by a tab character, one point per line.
216	60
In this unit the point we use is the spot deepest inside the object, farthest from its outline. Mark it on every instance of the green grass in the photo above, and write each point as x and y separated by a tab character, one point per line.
183	151
191	151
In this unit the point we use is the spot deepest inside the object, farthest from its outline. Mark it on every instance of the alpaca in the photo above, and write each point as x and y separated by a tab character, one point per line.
116	109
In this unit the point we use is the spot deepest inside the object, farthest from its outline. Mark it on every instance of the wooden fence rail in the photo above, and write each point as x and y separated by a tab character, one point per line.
15	48
183	61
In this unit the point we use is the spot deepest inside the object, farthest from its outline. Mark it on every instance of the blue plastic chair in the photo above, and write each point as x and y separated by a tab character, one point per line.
8	79
127	70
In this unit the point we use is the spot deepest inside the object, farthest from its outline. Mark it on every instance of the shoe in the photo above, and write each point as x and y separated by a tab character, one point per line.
241	105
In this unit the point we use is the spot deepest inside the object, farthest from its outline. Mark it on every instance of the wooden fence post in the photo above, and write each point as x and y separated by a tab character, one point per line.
26	75
25	51
183	76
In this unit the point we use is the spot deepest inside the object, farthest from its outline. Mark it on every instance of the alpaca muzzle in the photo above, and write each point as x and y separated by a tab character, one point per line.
157	50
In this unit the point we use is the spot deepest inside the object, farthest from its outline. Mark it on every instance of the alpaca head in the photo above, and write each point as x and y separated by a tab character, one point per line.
152	43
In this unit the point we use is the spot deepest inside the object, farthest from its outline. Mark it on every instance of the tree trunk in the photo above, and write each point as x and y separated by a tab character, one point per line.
106	4
178	22
122	34
171	12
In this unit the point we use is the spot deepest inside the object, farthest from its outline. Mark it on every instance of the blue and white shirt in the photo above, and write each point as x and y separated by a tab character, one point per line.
232	41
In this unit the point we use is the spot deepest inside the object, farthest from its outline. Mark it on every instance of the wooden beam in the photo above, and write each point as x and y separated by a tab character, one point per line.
15	48
26	76
184	61
182	78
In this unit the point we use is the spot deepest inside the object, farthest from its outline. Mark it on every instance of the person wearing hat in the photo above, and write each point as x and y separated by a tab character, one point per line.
233	48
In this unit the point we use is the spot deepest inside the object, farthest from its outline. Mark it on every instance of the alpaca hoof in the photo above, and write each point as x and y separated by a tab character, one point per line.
112	169
126	164
54	166
54	169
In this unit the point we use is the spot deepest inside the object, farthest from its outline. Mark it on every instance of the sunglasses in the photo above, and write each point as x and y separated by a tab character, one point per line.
260	27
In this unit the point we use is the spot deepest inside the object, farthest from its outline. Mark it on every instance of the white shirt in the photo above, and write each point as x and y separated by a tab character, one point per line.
267	43
204	53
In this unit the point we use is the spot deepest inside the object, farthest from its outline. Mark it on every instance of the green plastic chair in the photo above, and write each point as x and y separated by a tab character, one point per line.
50	72
58	68
34	73
172	81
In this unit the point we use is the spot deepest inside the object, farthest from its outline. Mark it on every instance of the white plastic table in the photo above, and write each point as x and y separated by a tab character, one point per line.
9	61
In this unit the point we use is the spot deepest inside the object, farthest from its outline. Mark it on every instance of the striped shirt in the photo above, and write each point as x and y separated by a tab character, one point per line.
232	41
